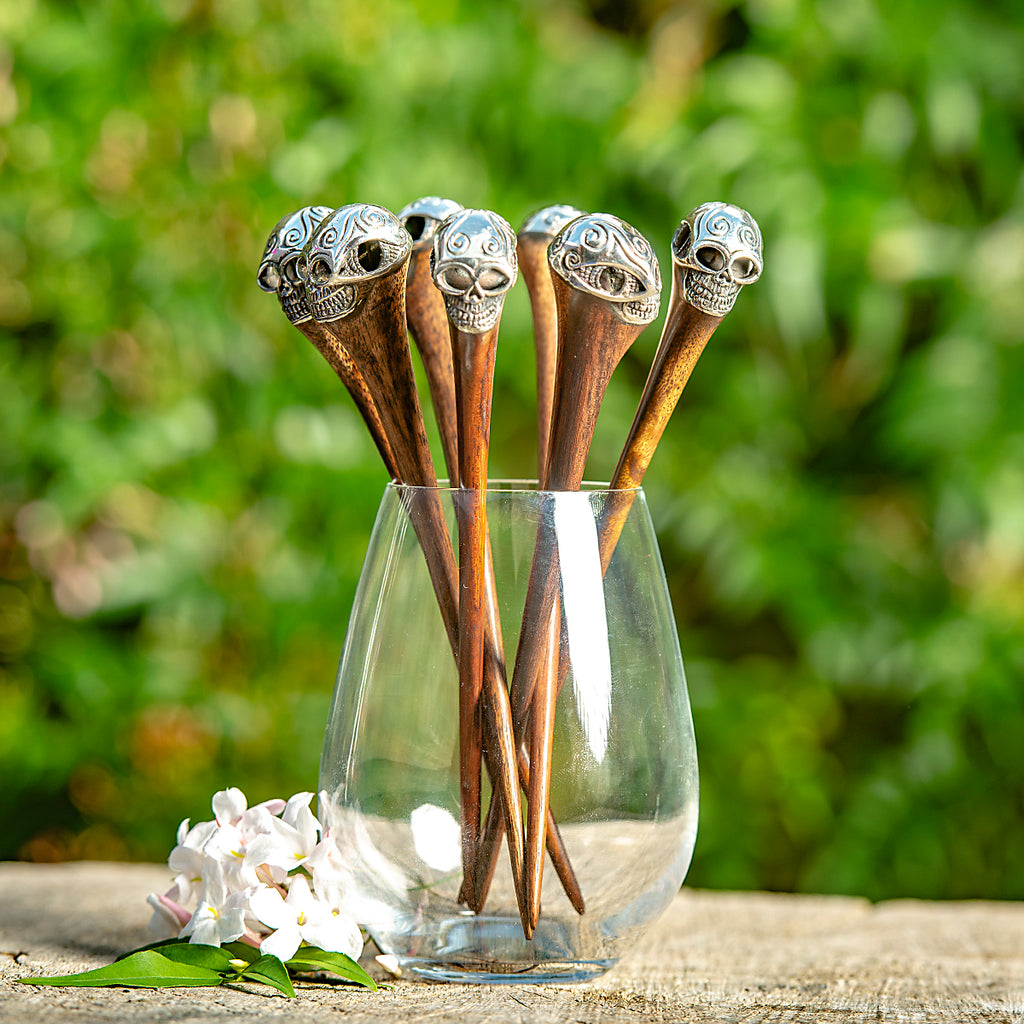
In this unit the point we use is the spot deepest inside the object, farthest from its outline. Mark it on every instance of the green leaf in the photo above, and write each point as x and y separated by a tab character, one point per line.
198	954
242	951
144	969
313	958
158	946
270	971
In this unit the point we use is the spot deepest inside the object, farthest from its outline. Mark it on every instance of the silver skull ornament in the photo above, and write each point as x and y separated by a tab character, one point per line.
473	263
422	217
356	244
550	220
277	272
604	256
718	249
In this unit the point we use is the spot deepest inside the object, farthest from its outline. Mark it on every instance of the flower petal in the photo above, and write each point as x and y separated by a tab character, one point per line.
270	908
340	935
283	943
229	805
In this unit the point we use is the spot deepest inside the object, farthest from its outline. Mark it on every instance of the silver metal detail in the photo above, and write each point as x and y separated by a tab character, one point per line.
422	217
600	254
356	244
473	263
277	272
718	247
550	220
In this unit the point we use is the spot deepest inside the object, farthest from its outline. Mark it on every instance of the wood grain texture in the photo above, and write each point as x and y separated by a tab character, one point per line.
750	957
532	251
428	326
473	359
341	361
591	342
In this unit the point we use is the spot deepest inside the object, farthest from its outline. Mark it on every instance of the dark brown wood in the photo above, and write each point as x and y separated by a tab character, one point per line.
532	250
375	337
473	359
345	367
592	341
428	326
687	331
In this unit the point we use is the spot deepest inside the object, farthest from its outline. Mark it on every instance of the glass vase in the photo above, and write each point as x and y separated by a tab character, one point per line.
624	767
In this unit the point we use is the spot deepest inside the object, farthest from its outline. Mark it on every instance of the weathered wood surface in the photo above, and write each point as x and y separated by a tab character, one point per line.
713	957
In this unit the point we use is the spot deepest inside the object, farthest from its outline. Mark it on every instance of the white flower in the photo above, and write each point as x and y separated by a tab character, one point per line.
303	918
231	808
290	839
186	859
220	916
168	914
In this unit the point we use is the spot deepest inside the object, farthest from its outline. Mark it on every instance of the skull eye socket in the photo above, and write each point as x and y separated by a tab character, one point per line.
268	278
492	280
291	272
370	255
318	271
710	257
682	238
612	280
457	278
743	269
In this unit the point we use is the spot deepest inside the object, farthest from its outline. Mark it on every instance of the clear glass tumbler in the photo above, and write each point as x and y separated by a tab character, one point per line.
624	774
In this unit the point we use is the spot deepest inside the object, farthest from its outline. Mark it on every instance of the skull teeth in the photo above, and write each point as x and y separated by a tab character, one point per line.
643	311
295	307
332	304
477	317
710	293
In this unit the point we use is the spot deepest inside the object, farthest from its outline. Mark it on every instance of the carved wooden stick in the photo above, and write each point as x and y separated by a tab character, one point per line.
354	269
473	263
277	273
716	250
428	324
532	246
607	289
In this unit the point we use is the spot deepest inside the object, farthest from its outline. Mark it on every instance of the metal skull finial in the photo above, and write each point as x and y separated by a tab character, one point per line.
550	220
718	249
604	256
277	272
473	263
423	216
352	247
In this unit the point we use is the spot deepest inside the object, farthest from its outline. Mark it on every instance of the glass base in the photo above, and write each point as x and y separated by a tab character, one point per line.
493	951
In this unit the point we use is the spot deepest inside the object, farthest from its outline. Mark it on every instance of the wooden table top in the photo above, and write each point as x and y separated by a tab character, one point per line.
714	956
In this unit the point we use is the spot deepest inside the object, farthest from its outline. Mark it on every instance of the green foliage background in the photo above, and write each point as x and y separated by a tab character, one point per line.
186	493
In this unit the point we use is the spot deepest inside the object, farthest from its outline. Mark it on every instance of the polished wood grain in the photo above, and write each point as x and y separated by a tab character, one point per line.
591	342
532	250
473	361
428	327
345	367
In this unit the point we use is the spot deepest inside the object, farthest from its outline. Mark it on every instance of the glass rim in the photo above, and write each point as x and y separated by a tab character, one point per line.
503	485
